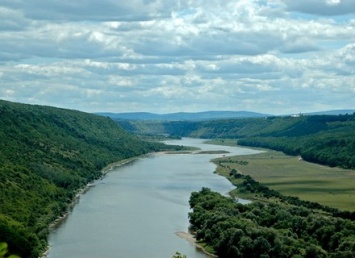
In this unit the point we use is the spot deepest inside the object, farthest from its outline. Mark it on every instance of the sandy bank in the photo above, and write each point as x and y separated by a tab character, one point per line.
189	237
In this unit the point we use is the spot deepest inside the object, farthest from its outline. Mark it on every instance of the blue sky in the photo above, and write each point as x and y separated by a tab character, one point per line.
277	56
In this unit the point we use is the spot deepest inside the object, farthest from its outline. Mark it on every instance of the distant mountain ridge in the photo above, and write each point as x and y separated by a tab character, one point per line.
207	115
333	112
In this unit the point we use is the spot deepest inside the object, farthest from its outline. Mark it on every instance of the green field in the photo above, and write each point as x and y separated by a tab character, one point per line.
291	176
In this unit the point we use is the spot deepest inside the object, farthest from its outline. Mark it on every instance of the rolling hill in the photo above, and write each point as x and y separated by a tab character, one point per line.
324	139
182	116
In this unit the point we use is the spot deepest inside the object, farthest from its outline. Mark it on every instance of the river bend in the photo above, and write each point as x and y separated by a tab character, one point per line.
136	210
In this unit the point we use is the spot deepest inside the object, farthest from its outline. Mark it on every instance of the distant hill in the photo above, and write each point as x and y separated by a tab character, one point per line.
206	115
181	116
324	139
334	112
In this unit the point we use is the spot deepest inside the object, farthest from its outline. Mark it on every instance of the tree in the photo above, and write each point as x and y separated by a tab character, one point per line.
4	252
179	255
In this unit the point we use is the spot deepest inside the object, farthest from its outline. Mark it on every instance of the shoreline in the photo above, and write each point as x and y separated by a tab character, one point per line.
192	240
60	219
104	171
120	163
82	190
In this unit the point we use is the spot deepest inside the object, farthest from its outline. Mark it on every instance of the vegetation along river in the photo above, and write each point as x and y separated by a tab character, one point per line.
136	210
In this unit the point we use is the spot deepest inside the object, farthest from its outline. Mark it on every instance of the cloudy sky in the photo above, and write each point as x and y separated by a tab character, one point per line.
163	56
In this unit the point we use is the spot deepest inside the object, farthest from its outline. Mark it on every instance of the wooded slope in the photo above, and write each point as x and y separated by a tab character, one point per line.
276	229
324	139
46	155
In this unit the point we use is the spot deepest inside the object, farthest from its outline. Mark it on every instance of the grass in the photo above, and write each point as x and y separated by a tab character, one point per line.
288	175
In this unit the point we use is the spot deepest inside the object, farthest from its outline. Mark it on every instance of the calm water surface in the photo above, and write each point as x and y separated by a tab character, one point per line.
136	210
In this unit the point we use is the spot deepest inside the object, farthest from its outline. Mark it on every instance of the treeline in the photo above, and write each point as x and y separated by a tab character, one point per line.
323	139
270	229
46	155
250	185
333	148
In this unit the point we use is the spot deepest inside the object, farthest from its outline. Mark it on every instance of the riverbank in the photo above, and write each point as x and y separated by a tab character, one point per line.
82	190
293	176
192	240
123	162
59	220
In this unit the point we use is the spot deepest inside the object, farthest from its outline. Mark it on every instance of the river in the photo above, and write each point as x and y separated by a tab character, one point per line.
136	209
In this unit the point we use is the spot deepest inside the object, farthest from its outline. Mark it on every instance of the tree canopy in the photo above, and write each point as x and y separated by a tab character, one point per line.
46	155
268	229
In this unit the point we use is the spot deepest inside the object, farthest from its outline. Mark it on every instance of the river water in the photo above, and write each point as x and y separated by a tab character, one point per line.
136	209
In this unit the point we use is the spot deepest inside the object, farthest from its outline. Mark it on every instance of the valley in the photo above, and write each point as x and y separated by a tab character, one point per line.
49	154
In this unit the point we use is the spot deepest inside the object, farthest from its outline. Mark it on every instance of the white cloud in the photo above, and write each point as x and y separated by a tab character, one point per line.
321	7
333	2
184	55
12	20
87	10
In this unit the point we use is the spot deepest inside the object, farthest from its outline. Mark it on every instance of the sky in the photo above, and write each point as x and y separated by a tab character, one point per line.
165	56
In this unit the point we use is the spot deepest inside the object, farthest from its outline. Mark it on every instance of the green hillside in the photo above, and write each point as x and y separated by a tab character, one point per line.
324	139
46	155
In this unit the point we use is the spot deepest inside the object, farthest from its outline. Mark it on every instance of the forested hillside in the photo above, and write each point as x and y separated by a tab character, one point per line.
46	155
328	140
275	229
324	139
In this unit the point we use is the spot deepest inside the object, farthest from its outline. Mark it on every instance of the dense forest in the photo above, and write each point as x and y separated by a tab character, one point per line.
46	155
324	139
268	229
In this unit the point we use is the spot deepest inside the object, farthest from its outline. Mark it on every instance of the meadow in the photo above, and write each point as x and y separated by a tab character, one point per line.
290	175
